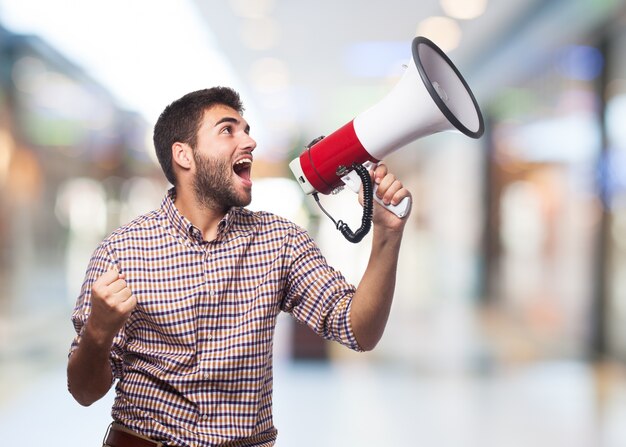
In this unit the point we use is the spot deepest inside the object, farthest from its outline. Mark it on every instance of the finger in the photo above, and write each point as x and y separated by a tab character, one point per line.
117	303
384	185
379	173
121	292
391	192
128	305
400	195
117	285
101	285
108	277
119	275
132	301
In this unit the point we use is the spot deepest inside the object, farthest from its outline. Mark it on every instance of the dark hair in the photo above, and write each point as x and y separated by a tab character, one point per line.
180	121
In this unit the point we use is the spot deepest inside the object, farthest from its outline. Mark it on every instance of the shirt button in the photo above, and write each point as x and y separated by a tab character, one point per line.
211	293
205	417
206	376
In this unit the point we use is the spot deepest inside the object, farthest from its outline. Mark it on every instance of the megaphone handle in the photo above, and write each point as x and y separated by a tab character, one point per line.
352	181
401	209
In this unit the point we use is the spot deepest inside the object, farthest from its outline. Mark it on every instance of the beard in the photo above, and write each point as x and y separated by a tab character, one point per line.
213	185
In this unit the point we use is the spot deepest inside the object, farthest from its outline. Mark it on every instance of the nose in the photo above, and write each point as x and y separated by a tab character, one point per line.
249	143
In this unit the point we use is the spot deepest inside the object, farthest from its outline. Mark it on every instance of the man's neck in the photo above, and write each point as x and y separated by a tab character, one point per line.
204	218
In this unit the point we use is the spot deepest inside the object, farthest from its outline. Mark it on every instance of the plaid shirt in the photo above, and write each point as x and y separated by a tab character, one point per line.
194	360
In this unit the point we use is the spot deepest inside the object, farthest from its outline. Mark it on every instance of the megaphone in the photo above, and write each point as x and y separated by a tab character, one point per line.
431	97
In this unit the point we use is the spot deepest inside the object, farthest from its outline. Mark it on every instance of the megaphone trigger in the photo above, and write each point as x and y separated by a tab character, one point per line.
353	181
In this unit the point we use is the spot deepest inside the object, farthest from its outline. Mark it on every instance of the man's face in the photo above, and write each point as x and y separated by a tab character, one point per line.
223	159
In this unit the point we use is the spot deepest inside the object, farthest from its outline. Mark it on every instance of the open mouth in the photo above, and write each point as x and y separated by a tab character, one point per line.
243	168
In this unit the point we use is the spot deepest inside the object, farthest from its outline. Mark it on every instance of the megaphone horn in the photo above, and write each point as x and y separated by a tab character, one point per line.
431	97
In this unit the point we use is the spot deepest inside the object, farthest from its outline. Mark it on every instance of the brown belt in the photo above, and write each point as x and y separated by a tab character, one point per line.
119	436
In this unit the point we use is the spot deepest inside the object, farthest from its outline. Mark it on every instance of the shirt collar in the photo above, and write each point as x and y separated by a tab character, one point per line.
236	220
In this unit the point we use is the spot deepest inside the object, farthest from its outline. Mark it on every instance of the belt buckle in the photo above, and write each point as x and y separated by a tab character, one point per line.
130	432
106	436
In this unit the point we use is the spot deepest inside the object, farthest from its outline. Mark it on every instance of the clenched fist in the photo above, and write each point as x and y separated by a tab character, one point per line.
391	191
112	302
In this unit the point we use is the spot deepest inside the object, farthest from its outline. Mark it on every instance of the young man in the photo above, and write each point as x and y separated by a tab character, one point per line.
179	306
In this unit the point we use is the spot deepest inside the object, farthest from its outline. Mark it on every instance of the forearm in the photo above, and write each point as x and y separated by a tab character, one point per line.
372	301
89	372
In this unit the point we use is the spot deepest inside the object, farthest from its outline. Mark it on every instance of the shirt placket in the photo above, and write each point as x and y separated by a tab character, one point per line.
208	334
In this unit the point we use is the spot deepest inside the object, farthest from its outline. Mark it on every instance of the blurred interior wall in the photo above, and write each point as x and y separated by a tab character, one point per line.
501	256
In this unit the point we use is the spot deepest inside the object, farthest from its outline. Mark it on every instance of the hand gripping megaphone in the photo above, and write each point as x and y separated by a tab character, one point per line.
431	97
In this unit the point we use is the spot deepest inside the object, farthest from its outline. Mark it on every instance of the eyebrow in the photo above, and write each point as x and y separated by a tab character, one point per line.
229	119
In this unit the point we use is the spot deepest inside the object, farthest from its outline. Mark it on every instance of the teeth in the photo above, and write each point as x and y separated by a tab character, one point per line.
244	161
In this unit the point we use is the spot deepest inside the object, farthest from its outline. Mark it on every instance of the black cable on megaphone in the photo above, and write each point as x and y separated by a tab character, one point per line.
368	208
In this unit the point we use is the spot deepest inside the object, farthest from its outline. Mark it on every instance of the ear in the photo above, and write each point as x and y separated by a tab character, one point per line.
182	155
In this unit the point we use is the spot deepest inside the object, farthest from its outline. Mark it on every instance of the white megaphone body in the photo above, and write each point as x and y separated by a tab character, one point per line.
431	97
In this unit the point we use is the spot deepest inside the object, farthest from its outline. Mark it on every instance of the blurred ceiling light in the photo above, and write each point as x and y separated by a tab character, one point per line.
444	31
270	75
64	95
140	196
464	9
259	34
81	206
29	74
252	9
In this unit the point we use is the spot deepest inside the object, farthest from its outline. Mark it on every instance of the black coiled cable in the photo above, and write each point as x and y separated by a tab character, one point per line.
368	208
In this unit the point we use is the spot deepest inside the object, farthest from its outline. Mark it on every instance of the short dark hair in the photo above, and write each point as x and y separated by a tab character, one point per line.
181	120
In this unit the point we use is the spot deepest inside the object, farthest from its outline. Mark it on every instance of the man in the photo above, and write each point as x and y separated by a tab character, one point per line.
179	306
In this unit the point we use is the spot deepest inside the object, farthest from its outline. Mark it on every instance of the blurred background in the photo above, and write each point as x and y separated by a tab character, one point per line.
509	321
